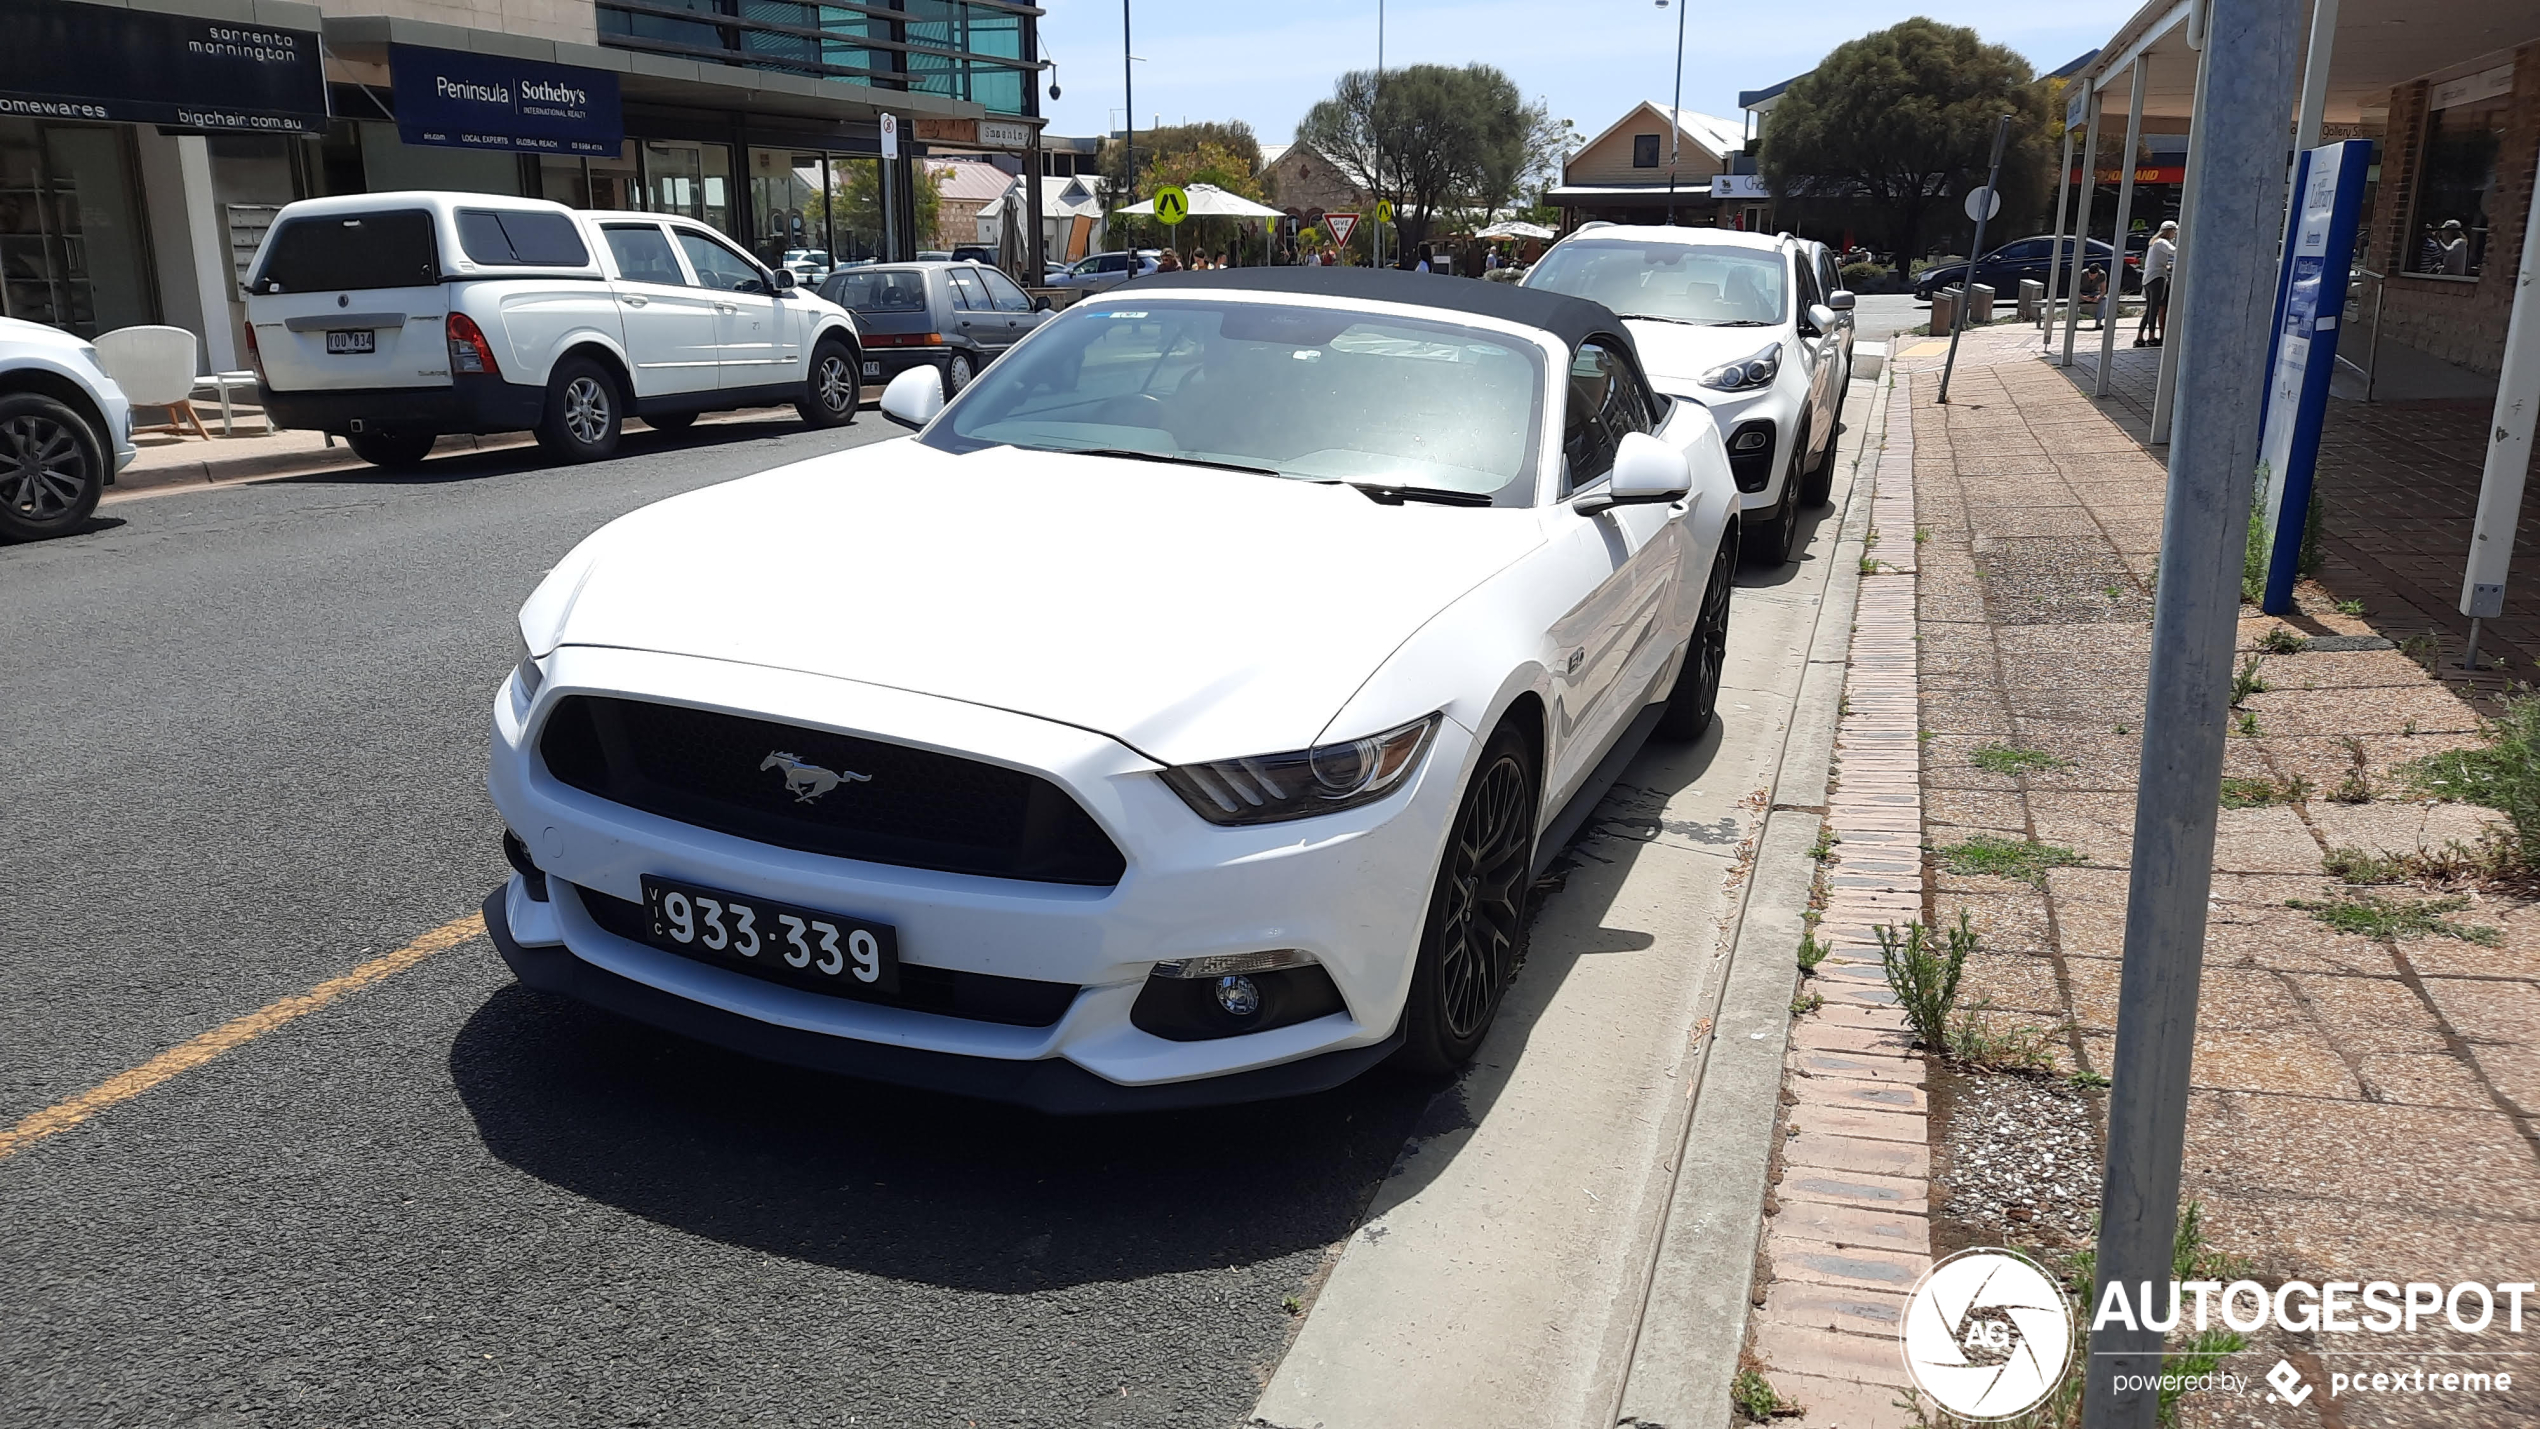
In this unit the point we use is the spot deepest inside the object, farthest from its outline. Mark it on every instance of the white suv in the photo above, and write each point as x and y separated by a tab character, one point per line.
390	319
1742	324
65	430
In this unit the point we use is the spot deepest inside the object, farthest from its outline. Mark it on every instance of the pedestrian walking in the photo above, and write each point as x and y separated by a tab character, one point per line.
2160	256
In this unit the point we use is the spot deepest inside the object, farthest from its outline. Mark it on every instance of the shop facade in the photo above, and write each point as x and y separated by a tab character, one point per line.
143	153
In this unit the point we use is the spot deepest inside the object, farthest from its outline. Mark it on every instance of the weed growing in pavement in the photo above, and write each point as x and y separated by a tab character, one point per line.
2021	1049
2258	793
1921	534
1754	1397
1811	952
1869	564
2491	859
2247	724
2409	730
2356	786
2248	682
2350	607
1923	968
2087	1081
2426	650
1810	1002
1292	1305
2367	916
2281	641
2024	859
1922	736
1823	848
1870	538
2503	775
2013	759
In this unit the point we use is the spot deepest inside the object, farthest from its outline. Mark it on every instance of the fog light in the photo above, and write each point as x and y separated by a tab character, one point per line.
1237	996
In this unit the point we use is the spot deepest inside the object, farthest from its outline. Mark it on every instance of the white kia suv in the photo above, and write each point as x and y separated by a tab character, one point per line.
1742	324
389	319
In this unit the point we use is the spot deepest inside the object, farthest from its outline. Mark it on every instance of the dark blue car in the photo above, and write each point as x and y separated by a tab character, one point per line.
2004	267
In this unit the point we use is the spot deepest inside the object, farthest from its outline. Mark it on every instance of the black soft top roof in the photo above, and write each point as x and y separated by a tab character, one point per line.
1571	319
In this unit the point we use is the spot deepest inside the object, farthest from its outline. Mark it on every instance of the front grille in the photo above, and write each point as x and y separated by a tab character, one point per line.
979	997
913	807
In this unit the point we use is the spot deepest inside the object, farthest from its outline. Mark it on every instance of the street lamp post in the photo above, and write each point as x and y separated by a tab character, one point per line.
1128	115
1375	125
1675	112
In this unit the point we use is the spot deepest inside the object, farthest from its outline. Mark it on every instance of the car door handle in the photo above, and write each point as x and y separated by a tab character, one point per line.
725	308
635	300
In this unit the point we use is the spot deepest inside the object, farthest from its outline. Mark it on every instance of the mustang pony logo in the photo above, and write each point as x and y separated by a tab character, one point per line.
807	782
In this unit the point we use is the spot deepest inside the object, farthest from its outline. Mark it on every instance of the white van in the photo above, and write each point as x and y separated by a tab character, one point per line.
389	319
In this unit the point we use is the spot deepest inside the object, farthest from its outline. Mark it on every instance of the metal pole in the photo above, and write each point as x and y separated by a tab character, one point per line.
2081	225
1675	112
1375	230
2306	130
2165	385
2212	468
1128	126
2491	543
2054	265
2125	214
1967	289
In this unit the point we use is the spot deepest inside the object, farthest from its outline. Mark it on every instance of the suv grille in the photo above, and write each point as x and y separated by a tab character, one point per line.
913	807
980	997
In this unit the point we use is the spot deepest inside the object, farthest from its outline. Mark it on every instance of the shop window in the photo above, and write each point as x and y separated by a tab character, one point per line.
73	253
1644	151
2456	169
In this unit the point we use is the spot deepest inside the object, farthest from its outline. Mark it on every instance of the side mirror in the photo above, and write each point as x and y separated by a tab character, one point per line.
1647	472
783	278
1840	300
914	397
1821	317
1040	305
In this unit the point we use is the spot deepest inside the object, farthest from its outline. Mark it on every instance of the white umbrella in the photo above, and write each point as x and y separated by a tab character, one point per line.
1210	201
1515	228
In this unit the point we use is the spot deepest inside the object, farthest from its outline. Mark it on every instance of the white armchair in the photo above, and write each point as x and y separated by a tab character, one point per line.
155	368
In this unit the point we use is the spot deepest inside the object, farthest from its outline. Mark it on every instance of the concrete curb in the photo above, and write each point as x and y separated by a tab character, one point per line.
1693	1323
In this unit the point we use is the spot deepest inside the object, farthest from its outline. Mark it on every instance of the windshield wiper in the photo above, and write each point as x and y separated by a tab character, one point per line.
1132	454
1741	322
1384	495
1658	318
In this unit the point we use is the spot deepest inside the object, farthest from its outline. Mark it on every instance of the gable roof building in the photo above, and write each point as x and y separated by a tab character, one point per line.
1623	174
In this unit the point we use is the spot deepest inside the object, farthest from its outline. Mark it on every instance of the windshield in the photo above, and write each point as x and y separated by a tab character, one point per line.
1722	286
880	290
1314	393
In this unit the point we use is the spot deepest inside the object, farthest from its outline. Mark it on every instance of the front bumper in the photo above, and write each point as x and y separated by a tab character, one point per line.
1777	410
1351	889
480	404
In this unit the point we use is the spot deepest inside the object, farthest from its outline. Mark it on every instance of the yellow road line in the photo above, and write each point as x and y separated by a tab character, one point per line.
185	1056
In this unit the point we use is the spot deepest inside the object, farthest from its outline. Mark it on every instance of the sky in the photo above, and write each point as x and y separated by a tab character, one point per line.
1267	61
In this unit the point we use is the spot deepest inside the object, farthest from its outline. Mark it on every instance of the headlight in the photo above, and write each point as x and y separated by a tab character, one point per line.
528	673
1748	372
1273	788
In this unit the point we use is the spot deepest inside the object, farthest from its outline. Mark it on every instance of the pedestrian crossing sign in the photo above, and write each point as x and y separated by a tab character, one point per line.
1171	205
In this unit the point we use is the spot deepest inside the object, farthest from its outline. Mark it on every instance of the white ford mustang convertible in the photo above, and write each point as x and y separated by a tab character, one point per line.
1181	716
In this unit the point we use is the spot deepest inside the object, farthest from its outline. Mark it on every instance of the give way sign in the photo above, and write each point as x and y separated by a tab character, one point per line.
1342	226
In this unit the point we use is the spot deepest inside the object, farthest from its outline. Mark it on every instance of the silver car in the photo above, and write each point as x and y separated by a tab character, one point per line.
1100	271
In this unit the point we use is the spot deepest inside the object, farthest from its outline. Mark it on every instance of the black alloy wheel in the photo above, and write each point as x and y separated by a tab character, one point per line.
585	414
1696	696
834	388
391	451
1477	913
52	469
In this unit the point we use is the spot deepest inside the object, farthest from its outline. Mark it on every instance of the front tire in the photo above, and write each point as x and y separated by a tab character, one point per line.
1696	696
834	388
585	413
1818	489
1476	929
52	468
391	451
1768	542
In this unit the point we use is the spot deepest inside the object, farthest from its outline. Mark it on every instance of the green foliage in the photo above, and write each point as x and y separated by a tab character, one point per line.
1823	849
2503	774
1811	952
1923	976
2367	916
2248	723
1905	117
857	204
2024	859
2025	1049
2282	640
1432	137
1754	1397
2248	682
2258	793
2350	607
2013	759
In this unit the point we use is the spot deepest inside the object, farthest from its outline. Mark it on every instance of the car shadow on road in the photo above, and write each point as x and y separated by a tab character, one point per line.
913	1186
443	468
1760	577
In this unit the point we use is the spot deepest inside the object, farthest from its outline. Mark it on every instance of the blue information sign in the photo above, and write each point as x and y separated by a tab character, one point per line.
2328	193
470	101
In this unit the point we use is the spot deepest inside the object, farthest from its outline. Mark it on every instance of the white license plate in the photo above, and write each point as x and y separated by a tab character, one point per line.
805	947
356	340
873	369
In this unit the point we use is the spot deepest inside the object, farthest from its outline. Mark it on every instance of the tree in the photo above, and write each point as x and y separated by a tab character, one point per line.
1220	152
856	205
1903	120
1428	137
1515	176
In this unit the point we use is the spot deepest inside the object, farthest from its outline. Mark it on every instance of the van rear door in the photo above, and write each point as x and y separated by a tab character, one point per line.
351	301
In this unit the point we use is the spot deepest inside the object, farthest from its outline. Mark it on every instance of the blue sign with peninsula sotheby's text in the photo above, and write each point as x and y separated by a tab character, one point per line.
465	100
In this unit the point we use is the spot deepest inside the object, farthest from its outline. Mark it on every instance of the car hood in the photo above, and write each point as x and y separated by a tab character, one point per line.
1674	354
1190	614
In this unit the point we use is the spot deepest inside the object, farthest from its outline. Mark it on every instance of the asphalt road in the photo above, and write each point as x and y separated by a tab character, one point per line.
245	755
1879	317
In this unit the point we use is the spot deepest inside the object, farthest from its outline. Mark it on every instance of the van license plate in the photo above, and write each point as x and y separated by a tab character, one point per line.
358	340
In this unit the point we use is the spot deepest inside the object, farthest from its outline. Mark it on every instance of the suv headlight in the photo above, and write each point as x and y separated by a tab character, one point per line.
1746	372
1273	788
